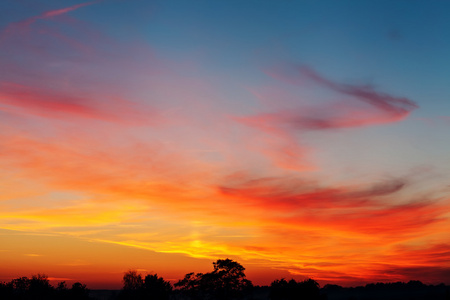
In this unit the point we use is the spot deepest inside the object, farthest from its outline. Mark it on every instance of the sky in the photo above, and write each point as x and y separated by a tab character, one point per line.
303	139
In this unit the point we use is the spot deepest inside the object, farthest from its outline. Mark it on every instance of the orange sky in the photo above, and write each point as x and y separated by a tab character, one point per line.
117	154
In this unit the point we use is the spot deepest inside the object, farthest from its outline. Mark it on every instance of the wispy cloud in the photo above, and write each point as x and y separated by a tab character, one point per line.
33	255
285	117
396	106
366	210
45	15
107	142
382	107
57	12
61	105
56	80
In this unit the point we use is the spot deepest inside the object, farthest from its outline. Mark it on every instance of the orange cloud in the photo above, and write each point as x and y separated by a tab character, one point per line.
156	199
358	209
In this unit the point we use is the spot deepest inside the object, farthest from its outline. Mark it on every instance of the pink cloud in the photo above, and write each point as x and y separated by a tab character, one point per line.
60	105
22	26
61	11
380	107
385	102
60	78
284	115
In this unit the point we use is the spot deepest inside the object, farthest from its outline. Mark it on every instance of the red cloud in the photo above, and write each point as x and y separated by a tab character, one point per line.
364	210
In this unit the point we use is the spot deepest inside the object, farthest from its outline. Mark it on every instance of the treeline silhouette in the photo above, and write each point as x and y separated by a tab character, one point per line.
38	287
412	290
227	281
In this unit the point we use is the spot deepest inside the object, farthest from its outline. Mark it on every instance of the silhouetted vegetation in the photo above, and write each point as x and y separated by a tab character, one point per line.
151	287
283	290
38	287
413	290
227	281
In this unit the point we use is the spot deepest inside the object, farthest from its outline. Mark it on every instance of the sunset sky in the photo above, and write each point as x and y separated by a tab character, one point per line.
299	138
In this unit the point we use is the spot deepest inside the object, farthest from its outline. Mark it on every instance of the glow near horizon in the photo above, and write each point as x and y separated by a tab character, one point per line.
279	135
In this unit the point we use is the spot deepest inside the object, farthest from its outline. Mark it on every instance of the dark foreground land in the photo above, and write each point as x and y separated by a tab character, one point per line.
226	282
390	291
413	290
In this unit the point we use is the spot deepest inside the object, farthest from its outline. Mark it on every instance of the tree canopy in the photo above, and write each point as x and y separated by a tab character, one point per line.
289	290
226	281
38	287
151	287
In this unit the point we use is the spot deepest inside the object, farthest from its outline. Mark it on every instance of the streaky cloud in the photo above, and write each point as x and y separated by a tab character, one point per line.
361	209
22	25
56	80
395	106
380	108
57	12
59	105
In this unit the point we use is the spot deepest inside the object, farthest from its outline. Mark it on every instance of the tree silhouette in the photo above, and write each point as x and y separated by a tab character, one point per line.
151	287
132	281
79	291
20	285
226	281
6	290
62	290
191	285
156	287
283	290
229	278
38	287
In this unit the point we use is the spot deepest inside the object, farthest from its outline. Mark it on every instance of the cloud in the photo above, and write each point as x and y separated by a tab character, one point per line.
432	255
55	72
380	107
57	12
426	274
390	104
285	222
359	209
162	189
47	14
44	101
61	105
60	279
292	192
288	112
